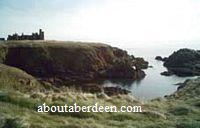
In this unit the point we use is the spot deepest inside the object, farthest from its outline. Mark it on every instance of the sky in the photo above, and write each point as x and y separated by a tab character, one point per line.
112	21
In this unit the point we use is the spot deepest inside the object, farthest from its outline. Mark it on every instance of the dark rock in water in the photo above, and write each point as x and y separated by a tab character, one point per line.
115	91
140	75
184	62
150	66
160	58
121	71
166	73
140	63
184	71
182	57
165	59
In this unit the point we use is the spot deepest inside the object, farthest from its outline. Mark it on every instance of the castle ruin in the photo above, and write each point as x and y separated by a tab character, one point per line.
2	39
34	36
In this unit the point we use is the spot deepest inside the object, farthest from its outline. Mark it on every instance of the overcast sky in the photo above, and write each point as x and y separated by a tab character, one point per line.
103	20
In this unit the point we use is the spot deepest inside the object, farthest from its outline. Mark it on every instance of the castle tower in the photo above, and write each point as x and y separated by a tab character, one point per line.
41	34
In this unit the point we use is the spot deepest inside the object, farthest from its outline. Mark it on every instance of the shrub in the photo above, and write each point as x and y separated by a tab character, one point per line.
179	110
188	125
13	123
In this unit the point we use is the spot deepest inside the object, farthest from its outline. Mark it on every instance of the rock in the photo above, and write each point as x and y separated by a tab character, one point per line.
123	71
160	58
184	62
140	63
110	91
183	72
166	73
140	75
165	59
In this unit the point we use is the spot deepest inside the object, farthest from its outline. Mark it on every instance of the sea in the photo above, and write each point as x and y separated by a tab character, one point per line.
153	85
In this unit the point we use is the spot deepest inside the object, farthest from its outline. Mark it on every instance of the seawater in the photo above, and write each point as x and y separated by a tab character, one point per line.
153	85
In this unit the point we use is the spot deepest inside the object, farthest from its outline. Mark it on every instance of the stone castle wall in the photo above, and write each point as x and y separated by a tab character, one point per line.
34	36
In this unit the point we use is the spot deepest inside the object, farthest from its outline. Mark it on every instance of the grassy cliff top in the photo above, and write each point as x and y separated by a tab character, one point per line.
52	43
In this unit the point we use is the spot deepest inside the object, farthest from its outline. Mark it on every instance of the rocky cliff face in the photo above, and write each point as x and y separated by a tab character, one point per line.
184	62
69	61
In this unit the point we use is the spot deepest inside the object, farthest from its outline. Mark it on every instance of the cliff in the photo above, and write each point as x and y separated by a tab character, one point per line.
69	62
184	62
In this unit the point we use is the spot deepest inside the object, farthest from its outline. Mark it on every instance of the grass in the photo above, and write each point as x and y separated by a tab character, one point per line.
179	110
192	124
15	104
16	79
20	93
12	123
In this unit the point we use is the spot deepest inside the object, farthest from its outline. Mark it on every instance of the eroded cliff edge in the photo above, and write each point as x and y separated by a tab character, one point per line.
71	62
184	62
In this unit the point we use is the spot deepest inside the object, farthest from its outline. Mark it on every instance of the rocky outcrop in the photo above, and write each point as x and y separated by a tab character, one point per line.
166	73
71	62
184	62
140	63
110	91
97	88
160	58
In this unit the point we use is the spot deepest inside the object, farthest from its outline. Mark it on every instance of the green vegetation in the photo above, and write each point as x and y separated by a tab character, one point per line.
12	123
3	52
19	106
16	79
21	93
